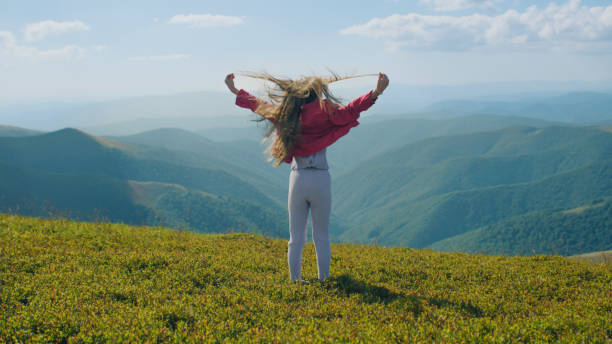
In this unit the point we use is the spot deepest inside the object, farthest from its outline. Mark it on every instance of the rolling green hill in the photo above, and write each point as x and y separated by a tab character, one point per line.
378	134
84	196
67	281
419	223
582	229
72	173
415	194
229	134
371	139
244	159
440	187
228	148
459	162
98	197
73	151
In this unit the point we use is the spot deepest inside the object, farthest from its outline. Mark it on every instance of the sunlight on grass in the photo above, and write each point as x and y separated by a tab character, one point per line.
65	281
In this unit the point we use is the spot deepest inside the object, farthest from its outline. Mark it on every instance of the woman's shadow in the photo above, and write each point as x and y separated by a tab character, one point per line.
368	293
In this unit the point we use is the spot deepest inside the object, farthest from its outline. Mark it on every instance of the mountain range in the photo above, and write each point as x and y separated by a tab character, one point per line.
553	231
466	183
440	187
83	175
574	107
206	110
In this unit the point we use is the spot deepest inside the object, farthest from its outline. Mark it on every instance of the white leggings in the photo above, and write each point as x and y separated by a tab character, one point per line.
309	189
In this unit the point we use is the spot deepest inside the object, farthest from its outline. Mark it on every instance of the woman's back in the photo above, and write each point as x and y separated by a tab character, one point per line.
322	125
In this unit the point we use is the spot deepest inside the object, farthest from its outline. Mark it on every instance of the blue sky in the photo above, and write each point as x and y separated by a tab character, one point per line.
86	50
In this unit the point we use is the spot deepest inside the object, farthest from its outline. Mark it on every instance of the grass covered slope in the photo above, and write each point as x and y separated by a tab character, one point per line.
63	281
83	176
90	197
441	187
73	151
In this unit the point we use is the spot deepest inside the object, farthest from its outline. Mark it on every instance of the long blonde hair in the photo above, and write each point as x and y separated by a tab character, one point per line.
284	108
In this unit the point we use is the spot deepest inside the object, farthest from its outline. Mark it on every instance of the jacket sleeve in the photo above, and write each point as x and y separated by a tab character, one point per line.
248	101
341	115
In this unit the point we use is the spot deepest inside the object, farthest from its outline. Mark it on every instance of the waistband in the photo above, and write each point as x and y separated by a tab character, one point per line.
312	169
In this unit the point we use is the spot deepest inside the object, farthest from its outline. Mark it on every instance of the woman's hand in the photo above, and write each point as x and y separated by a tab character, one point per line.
383	82
229	81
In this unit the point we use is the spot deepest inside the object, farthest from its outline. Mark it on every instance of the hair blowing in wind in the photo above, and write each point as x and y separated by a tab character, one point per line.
287	97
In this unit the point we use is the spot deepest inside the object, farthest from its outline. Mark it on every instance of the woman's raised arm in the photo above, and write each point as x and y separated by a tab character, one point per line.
342	115
381	85
246	100
229	81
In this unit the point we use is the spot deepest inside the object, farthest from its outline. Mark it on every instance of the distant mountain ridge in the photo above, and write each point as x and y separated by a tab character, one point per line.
406	182
373	138
552	231
244	159
11	131
209	108
74	162
71	150
440	187
575	107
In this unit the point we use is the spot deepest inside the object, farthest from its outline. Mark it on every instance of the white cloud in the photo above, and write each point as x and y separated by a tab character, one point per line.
169	57
455	5
9	47
7	40
99	47
569	26
71	51
40	30
205	20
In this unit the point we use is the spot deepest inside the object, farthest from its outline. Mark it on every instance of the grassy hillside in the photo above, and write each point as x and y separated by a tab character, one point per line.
460	162
374	138
441	187
66	281
376	135
83	196
423	222
85	177
73	151
229	134
582	229
244	159
95	197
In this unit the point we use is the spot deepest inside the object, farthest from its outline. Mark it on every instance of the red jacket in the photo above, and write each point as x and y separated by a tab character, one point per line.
320	126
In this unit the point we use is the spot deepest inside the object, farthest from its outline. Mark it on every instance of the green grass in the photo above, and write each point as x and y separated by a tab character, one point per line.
63	281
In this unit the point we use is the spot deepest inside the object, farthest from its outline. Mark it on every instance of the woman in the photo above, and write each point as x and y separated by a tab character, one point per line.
305	124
